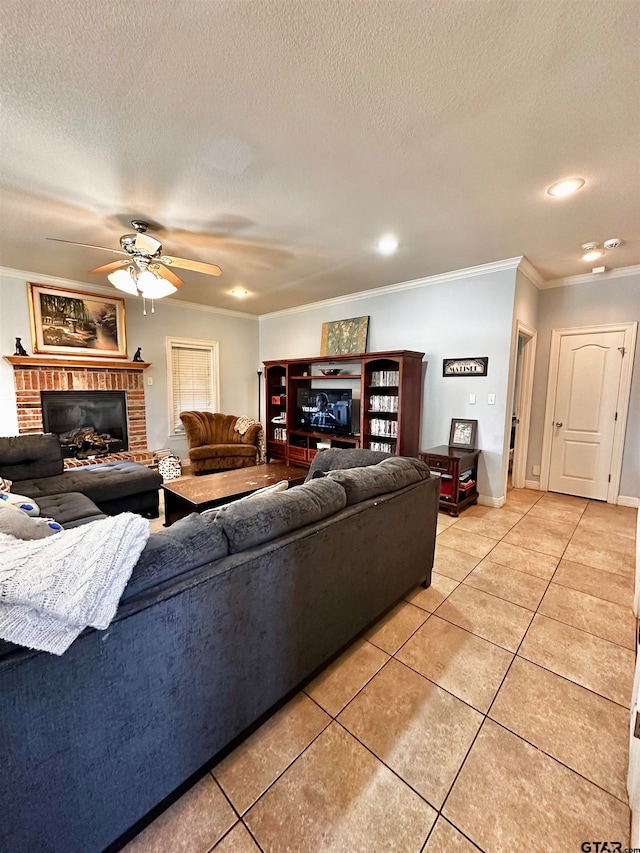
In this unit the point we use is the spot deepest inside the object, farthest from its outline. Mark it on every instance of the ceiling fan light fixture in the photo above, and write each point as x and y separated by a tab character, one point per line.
123	280
153	287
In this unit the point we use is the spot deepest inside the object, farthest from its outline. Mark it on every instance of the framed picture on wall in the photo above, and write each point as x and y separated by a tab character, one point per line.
69	322
463	433
342	337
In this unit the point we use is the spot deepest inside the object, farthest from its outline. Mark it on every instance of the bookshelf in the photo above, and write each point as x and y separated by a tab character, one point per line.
386	388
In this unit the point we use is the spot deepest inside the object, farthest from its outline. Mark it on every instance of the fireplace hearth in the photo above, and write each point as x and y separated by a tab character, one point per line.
88	423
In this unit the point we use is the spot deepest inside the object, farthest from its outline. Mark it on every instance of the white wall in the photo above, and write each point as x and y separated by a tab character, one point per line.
526	301
237	335
614	300
453	319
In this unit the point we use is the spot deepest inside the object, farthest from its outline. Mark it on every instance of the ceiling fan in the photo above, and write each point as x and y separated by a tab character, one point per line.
144	270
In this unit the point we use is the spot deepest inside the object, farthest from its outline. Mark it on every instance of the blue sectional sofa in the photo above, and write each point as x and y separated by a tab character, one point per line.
222	619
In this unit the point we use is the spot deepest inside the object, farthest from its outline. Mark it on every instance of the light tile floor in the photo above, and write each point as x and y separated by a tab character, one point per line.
489	712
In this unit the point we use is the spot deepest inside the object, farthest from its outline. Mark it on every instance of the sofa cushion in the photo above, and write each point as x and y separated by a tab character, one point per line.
282	486
190	542
337	459
70	509
23	457
268	516
391	474
108	481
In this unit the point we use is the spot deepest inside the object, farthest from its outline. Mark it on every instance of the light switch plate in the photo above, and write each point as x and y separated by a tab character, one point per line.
472	399
491	399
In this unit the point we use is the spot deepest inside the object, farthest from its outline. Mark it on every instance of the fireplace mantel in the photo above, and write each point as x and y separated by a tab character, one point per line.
70	363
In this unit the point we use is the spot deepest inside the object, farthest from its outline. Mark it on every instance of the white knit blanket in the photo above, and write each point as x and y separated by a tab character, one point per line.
52	589
242	425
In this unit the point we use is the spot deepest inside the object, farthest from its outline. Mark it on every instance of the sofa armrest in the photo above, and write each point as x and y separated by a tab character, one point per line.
251	435
26	457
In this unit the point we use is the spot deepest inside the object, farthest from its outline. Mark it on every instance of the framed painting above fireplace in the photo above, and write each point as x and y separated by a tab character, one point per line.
69	322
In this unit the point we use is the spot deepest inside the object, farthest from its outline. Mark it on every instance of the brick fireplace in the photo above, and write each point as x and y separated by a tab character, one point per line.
37	373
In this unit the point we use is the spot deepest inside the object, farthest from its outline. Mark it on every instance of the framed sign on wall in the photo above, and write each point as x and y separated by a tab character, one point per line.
473	366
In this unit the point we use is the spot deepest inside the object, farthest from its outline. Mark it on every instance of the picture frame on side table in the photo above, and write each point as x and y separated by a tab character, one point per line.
463	433
70	322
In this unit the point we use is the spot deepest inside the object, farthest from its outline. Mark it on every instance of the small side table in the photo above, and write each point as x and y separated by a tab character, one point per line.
453	462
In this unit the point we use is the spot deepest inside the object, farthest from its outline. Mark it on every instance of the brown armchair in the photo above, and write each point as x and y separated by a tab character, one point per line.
215	444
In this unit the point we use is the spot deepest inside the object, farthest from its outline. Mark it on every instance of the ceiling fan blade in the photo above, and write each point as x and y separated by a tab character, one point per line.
88	246
166	273
147	243
110	267
196	266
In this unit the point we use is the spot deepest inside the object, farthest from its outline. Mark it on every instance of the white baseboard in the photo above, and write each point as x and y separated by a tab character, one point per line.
488	500
628	500
532	484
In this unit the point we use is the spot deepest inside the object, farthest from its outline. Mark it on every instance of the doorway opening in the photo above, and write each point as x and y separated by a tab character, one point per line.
522	393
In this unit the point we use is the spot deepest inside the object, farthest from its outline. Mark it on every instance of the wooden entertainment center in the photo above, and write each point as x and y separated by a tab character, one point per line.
387	387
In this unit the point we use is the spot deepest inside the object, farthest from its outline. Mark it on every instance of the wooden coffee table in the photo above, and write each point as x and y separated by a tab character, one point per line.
194	494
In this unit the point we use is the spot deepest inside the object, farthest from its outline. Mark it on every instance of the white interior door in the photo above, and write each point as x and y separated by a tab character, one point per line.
584	419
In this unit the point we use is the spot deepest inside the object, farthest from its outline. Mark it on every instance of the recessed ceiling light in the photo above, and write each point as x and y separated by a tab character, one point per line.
387	245
239	292
565	187
591	252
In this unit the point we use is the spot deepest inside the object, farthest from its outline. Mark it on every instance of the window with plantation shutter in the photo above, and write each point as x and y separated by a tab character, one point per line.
192	368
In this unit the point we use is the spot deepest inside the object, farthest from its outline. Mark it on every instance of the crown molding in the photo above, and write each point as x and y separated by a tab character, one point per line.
527	269
108	290
585	278
414	284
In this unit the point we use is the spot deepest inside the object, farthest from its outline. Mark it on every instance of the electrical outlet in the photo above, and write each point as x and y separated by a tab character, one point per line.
491	399
536	470
472	399
149	380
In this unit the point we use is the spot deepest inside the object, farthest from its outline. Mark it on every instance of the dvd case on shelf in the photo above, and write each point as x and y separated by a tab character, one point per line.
385	378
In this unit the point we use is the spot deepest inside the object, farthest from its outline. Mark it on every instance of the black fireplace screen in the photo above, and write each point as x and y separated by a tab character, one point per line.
88	423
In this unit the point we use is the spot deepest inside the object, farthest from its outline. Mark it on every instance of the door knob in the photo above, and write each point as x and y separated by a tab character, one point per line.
558	423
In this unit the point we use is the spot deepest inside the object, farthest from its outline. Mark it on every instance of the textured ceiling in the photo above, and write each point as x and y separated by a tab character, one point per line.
281	139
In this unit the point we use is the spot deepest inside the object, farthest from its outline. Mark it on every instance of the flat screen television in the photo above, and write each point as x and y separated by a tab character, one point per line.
325	410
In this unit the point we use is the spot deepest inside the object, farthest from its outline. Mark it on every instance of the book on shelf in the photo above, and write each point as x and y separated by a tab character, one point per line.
280	434
445	489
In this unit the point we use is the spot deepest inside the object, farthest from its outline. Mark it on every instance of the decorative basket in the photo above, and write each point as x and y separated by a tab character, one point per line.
169	467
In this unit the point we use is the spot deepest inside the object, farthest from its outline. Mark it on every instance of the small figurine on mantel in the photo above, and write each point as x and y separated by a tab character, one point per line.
138	354
20	350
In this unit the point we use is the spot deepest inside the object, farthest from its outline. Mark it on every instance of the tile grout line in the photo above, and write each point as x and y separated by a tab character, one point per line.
588	633
243	814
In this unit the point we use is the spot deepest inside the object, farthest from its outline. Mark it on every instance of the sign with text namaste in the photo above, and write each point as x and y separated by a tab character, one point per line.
477	366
